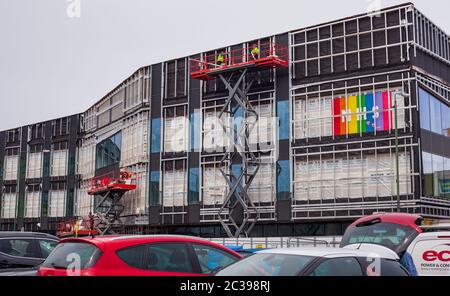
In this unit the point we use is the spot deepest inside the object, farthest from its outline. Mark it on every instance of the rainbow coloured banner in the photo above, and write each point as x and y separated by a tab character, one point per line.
362	114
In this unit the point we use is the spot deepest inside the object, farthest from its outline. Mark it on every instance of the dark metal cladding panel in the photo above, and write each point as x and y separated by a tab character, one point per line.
156	91
432	65
2	157
193	214
284	211
154	215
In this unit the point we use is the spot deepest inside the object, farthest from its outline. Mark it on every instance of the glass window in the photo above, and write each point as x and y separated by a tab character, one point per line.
283	180
33	204
283	117
154	187
195	131
19	248
445	185
392	268
168	257
438	174
424	105
212	259
108	151
174	184
8	205
338	267
436	119
156	135
62	255
390	235
34	166
11	167
266	264
46	247
193	185
214	185
59	163
159	256
134	256
427	174
445	120
57	203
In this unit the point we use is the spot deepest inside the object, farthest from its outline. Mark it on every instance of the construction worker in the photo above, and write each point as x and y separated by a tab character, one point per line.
220	60
255	51
91	223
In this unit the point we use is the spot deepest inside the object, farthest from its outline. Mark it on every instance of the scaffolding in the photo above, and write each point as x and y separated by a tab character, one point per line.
238	69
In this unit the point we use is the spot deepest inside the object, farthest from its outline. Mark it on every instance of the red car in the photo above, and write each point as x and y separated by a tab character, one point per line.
153	255
392	230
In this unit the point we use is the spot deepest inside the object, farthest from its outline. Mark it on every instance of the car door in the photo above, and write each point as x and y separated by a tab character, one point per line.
158	259
342	266
211	259
17	252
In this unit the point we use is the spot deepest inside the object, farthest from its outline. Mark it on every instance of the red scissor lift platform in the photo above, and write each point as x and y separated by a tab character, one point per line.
106	216
109	208
238	69
271	55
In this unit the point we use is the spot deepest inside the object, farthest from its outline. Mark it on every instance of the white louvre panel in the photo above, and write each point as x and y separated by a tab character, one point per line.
9	205
300	122
313	118
213	135
262	188
135	201
34	166
372	176
33	204
137	88
214	186
59	163
401	110
175	134
84	202
174	188
263	132
86	160
135	140
11	167
57	203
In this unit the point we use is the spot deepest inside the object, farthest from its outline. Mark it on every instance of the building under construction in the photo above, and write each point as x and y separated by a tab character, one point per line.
316	128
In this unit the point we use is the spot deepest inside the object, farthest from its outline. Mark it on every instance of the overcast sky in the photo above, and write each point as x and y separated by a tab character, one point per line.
52	65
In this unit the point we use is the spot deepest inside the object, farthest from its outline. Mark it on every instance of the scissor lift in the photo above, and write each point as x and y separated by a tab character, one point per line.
109	207
238	71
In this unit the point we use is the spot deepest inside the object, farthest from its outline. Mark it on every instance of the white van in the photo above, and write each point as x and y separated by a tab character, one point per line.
431	253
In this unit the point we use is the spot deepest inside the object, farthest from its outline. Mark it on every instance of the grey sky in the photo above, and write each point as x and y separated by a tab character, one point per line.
52	65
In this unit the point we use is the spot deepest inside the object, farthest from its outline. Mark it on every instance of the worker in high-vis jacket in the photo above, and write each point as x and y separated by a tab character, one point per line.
220	60
255	51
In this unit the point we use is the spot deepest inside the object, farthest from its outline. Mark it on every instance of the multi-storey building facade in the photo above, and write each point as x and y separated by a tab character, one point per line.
365	100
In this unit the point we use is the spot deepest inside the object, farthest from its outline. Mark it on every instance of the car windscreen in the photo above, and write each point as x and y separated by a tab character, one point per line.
391	235
84	255
266	264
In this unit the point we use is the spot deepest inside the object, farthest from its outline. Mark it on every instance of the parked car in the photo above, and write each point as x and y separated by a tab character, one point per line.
395	231
244	252
430	252
152	255
316	262
22	252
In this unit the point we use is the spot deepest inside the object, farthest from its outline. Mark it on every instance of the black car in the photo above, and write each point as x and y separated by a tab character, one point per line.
24	250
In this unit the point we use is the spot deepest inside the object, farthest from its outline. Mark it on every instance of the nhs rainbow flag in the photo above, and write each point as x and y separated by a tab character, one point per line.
364	113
